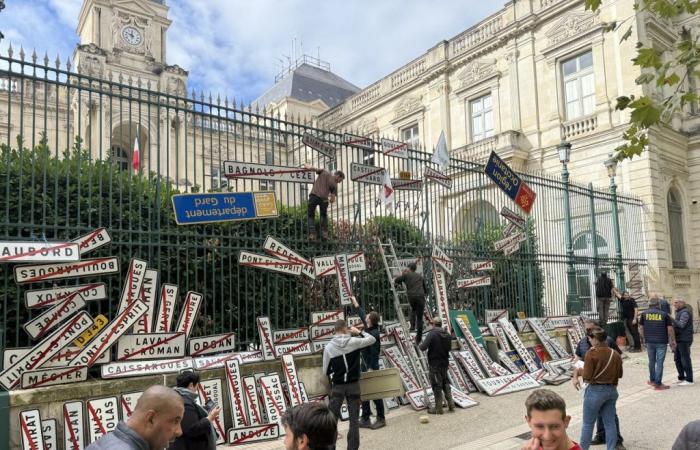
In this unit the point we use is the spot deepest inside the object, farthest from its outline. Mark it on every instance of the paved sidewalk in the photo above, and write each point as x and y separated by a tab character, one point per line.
648	419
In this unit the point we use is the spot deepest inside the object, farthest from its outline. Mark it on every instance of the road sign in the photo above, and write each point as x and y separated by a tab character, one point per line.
50	431
253	401
325	265
322	332
473	282
438	177
127	403
135	347
471	367
356	262
109	334
49	319
294	348
223	207
367	174
440	292
406	185
291	378
442	260
51	272
125	369
278	250
12	252
492	315
30	430
517	344
273	398
396	358
41	298
513	218
103	417
239	410
394	148
166	308
509	241
417	398
132	283
319	145
234	170
149	290
190	309
73	426
211	390
93	241
53	375
45	349
248	259
208	345
357	141
507	383
326	317
290	335
509	182
463	400
266	345
343	272
255	433
218	361
99	322
481	266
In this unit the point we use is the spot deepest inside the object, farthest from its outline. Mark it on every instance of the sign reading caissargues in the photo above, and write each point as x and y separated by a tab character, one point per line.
223	207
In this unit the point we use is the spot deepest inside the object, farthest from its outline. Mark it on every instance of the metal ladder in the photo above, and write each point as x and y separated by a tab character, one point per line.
416	358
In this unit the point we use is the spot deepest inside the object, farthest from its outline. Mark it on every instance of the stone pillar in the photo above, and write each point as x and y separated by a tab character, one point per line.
512	59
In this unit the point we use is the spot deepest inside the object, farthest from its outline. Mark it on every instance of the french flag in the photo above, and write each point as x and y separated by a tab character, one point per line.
136	155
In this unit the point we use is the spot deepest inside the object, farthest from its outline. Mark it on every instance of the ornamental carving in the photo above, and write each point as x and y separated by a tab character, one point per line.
367	126
177	70
119	21
92	49
477	71
90	66
570	26
176	87
408	105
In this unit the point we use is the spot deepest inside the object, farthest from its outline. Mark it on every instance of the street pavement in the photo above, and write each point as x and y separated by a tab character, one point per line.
649	420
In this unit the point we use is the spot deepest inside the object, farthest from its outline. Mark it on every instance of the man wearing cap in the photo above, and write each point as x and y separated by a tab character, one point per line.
438	343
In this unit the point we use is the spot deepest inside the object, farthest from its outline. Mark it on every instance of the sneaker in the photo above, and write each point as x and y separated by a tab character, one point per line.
598	441
661	387
686	383
678	381
620	446
379	423
651	383
365	423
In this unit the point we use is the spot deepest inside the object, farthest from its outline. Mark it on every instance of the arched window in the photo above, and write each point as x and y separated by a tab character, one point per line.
121	157
477	216
675	225
583	246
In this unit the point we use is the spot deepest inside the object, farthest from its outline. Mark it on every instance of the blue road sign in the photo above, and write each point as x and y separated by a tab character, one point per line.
223	207
504	177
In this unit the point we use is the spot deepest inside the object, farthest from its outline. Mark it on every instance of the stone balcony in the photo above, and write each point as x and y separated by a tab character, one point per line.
508	145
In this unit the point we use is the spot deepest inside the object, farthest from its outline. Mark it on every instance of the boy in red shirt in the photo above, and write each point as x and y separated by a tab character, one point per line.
546	416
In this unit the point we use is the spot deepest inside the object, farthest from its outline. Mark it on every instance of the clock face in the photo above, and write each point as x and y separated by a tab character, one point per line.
132	35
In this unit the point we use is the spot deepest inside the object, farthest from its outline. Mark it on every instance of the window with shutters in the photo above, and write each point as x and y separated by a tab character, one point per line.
579	86
675	225
481	110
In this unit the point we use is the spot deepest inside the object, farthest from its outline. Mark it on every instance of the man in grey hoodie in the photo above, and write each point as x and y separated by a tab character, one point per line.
341	363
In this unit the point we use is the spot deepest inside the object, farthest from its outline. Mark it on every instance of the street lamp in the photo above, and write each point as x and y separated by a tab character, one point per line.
573	304
611	166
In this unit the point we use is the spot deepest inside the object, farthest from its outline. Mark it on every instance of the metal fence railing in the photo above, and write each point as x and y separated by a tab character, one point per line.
65	169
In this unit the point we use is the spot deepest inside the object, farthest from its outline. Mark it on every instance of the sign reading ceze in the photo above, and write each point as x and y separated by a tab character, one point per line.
235	170
39	251
51	272
223	207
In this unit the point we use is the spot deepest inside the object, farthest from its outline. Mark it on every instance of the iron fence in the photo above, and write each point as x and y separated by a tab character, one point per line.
67	141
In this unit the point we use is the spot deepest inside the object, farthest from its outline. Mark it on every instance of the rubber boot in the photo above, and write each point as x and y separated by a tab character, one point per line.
450	401
438	405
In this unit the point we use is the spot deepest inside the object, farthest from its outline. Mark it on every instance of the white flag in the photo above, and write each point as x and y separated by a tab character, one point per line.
386	193
441	156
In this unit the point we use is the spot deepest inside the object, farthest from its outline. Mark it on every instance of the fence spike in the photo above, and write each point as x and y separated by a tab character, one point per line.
46	59
110	75
194	94
218	99
21	53
138	82
68	65
129	81
10	51
58	61
34	56
226	102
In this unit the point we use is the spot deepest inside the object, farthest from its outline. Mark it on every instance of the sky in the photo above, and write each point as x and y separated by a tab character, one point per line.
235	47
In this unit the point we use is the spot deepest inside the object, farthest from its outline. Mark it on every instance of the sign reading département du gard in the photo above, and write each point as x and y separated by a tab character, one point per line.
30	429
248	259
93	241
103	416
134	347
11	252
277	249
367	174
208	345
51	272
52	317
40	298
166	308
133	283
73	426
190	309
242	170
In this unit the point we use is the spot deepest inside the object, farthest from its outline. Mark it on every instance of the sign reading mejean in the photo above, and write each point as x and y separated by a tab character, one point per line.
510	182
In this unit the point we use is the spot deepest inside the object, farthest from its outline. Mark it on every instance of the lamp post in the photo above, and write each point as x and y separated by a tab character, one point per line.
573	304
611	166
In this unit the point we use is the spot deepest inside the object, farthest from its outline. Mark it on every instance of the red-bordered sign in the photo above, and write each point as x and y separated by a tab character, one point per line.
135	347
318	144
54	375
290	335
73	426
140	368
276	249
166	308
32	437
51	272
49	428
343	272
394	148
190	309
292	379
473	282
442	260
133	283
13	252
236	393
367	174
253	401
256	433
209	345
266	345
93	241
149	290
438	177
294	348
440	291
127	403
357	141
211	390
54	316
217	361
507	384
248	259
273	398
103	417
234	170
41	298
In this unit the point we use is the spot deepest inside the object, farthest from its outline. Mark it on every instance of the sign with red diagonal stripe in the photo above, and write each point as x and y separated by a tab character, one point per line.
473	282
93	240
357	141
440	290
211	390
127	403
234	170
325	265
367	174
343	272
253	401
53	375
42	298
276	249
166	308
149	291
103	417
109	334
190	309
399	184
500	336
133	283
273	398
125	369
209	345
442	260
481	266
492	315
394	148
248	259
290	335
236	394
326	317
13	252
462	400
61	271
294	348
219	361
517	344
438	177
255	433
291	377
54	316
396	359
45	349
73	426
49	428
32	437
135	347
417	398
266	345
507	383
318	144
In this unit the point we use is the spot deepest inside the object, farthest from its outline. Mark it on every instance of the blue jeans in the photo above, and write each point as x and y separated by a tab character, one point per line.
599	399
657	355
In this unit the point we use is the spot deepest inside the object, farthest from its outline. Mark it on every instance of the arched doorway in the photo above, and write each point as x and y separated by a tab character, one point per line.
476	216
586	276
122	145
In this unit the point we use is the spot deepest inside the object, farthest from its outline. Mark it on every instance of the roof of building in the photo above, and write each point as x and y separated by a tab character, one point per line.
308	83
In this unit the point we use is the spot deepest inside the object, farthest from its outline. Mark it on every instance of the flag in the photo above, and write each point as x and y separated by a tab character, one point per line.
386	194
136	155
441	156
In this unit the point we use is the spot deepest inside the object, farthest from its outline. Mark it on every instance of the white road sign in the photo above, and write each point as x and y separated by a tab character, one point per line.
93	241
517	344
149	290
440	292
438	177
253	401
141	368
103	417
356	262
265	332
166	308
480	266
41	298
399	184
139	347
30	430
295	348
49	429
394	148
367	174
190	309
326	317
211	390
291	377
325	265
127	403
290	335
318	144
248	259
492	315
55	375
236	393
513	217
344	284
255	433
73	426
273	397
417	398
51	272
462	400
209	345
49	319
133	282
396	359
357	141
473	282
217	361
441	259
249	171
13	252
509	241
508	383
500	335
276	249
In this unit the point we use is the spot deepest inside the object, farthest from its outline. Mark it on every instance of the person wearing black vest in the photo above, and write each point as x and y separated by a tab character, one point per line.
438	343
603	293
415	291
657	331
683	328
341	363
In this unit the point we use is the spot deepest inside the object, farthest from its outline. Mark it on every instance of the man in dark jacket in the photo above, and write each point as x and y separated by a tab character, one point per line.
341	363
197	424
603	293
415	291
370	361
438	342
683	328
689	437
154	423
657	331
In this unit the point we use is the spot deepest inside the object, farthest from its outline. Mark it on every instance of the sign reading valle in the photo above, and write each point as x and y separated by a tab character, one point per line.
510	183
223	207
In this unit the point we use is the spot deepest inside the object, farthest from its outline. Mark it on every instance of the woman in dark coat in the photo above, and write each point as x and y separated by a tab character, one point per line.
197	425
